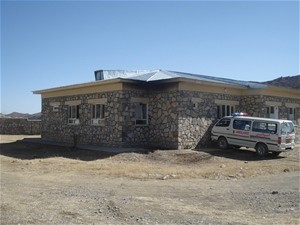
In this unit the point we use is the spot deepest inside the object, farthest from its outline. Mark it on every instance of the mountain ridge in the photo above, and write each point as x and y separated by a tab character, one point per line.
287	82
18	115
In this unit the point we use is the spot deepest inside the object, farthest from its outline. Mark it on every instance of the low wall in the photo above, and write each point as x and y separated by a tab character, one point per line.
19	126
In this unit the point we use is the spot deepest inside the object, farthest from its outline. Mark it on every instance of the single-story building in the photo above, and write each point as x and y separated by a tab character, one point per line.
155	108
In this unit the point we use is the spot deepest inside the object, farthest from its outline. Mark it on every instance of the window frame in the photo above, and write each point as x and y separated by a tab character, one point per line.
244	123
55	106
293	110
141	114
271	112
73	114
263	127
221	123
225	110
99	116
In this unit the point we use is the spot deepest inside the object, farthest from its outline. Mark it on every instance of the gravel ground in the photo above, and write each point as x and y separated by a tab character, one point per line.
46	185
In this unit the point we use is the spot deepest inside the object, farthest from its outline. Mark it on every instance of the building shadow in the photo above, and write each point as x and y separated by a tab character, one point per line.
28	151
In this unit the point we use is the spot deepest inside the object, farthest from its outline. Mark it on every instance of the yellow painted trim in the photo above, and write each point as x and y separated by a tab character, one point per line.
133	87
197	100
162	86
210	88
226	102
54	104
83	90
141	100
273	103
274	91
71	103
166	85
292	105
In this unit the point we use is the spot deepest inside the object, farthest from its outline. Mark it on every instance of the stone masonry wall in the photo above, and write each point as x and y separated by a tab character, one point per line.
176	119
118	128
20	126
55	123
197	115
256	106
161	130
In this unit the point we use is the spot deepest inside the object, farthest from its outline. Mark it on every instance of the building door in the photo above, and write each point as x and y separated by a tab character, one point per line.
276	112
272	112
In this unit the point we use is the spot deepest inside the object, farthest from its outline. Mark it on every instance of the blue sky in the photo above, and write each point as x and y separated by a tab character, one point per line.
47	44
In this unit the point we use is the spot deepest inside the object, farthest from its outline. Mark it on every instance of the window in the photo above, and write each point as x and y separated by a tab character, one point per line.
55	106
98	113
141	114
291	113
73	114
264	127
195	105
241	124
270	111
225	110
223	123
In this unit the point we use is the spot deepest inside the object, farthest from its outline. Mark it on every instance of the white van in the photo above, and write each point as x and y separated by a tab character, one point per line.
263	134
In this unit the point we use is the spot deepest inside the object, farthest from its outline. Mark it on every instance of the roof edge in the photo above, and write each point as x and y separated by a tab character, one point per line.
87	84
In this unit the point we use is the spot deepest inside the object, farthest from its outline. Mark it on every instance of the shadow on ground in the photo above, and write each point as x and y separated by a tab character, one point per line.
24	150
239	154
28	151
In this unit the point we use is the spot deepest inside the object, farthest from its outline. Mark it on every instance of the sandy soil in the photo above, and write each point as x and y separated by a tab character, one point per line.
42	184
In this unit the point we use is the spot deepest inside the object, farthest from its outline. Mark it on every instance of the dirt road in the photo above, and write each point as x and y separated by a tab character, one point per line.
43	184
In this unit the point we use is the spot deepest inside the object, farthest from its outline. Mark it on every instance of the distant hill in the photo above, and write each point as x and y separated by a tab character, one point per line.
287	82
18	115
35	116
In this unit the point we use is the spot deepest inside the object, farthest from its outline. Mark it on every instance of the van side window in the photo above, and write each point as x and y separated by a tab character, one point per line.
223	123
241	124
264	127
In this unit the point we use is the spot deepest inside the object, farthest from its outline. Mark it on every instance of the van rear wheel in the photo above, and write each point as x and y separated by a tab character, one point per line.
222	143
261	149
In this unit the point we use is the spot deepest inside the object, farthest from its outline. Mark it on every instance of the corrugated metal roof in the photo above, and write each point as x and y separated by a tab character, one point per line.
156	75
114	76
111	74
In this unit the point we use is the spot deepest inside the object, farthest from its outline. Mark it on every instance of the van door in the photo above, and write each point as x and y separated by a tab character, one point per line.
287	135
241	132
265	132
222	128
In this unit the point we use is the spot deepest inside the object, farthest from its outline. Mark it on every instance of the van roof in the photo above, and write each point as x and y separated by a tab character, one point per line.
257	118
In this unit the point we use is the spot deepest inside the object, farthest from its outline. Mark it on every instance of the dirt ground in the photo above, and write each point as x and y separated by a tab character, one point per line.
43	184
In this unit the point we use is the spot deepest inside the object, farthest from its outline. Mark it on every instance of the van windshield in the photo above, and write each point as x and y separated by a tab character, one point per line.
287	128
223	122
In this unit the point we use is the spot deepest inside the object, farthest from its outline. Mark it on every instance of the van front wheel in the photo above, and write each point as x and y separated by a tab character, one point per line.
222	143
261	149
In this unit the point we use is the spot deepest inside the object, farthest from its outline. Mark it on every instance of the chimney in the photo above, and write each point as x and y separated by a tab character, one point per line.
99	75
